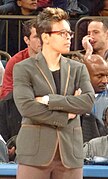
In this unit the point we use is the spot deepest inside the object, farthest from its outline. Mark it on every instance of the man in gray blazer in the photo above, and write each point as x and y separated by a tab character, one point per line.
49	143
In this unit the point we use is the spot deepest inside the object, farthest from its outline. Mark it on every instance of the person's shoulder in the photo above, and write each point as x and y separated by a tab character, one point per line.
27	61
72	61
24	53
21	55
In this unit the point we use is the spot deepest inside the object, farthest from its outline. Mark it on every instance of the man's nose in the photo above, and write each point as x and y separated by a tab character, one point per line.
105	79
91	34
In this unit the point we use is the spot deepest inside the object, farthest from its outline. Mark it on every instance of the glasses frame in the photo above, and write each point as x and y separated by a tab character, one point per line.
62	33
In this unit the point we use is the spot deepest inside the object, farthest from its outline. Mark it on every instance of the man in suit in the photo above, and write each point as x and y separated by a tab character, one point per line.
49	143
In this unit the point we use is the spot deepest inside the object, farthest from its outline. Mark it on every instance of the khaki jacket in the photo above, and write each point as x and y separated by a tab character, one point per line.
44	127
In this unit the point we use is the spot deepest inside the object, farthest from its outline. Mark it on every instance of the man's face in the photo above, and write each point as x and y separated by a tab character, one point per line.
33	42
59	40
27	5
98	34
99	76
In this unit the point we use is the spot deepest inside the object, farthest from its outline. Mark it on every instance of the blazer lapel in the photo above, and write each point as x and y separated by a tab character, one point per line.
42	66
65	75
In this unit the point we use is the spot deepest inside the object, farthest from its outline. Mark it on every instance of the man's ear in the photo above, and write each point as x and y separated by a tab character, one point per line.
26	40
19	3
45	38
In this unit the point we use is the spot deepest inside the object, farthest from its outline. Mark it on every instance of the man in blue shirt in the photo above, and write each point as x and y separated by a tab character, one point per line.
92	124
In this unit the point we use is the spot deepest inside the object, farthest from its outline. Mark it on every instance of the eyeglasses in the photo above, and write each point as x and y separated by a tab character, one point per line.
63	33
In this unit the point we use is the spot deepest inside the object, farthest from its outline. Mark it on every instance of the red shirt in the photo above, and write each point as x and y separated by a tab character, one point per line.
44	3
7	85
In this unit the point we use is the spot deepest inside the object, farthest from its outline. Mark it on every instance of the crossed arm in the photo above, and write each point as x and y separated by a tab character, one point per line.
45	100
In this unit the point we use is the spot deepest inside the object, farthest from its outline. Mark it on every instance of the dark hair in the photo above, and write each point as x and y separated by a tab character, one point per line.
47	17
27	26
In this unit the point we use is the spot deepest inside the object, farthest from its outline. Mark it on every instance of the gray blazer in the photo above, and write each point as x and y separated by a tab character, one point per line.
44	127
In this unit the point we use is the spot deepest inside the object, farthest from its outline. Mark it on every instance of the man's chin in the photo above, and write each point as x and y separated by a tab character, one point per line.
102	89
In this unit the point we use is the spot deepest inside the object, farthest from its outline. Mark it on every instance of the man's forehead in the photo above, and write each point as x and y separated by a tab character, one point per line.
95	24
99	68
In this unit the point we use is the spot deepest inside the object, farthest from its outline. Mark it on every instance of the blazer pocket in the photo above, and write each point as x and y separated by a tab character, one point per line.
28	140
78	142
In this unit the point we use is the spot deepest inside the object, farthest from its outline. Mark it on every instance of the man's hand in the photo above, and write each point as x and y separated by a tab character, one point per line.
86	43
43	100
78	92
11	151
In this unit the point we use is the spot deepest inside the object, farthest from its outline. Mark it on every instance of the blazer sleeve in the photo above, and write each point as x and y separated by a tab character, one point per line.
75	104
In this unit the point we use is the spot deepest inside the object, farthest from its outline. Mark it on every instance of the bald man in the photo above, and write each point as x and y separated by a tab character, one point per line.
98	71
92	124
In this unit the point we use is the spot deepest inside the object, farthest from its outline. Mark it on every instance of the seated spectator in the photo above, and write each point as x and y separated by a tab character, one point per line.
78	9
33	44
98	70
10	119
27	7
83	26
97	39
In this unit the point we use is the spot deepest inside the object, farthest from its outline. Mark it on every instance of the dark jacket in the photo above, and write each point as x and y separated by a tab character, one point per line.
10	118
8	6
92	127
